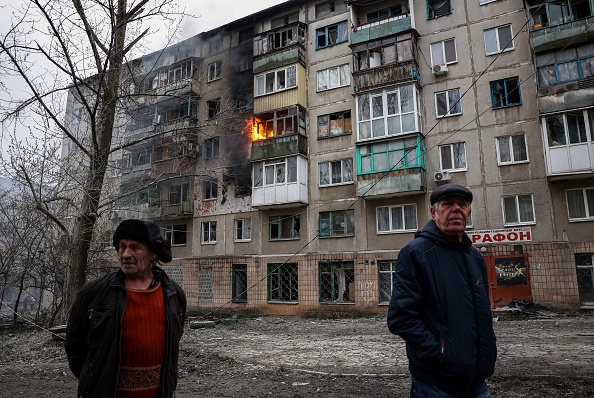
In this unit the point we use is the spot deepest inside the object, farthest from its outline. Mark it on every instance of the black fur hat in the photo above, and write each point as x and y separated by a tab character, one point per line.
143	231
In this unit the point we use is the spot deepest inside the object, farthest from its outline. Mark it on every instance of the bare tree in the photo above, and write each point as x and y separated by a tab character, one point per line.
83	46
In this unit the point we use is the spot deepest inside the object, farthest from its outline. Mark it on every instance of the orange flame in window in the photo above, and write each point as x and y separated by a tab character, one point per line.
255	129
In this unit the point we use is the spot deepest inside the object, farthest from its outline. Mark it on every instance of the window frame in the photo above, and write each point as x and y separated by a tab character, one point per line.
246	225
452	157
442	44
242	295
512	154
449	106
295	227
330	268
328	223
286	274
323	32
516	198
431	13
402	112
214	71
210	189
342	116
385	297
367	155
213	107
346	68
331	172
210	228
211	148
390	223
170	232
505	94
290	80
498	41
589	211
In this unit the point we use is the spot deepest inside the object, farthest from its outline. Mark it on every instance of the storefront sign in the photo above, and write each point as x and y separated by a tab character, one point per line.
511	271
511	235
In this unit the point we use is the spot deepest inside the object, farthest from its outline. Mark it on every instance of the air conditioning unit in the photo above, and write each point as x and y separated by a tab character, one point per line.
113	215
440	69
441	176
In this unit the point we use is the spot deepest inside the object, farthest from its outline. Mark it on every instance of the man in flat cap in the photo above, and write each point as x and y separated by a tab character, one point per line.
123	332
440	304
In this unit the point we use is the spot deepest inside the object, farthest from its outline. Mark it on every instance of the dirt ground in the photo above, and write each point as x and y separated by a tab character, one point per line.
287	357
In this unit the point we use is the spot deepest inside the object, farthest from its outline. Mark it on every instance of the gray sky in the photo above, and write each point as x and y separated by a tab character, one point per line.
209	15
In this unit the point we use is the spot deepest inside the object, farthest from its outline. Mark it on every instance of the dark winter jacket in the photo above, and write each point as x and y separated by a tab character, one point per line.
440	307
94	333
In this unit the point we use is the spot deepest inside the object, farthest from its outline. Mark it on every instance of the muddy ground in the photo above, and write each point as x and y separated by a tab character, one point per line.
286	357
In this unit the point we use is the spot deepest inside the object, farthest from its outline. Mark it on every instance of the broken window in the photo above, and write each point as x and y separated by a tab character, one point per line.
209	189
337	223
211	148
283	282
215	44
284	227
214	70
337	282
388	12
505	92
176	234
239	283
214	108
332	34
438	8
386	279
334	124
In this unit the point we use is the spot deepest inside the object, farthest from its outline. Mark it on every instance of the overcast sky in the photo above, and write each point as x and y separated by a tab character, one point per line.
209	15
213	13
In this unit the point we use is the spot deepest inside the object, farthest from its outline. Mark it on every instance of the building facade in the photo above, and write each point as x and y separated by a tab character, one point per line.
290	154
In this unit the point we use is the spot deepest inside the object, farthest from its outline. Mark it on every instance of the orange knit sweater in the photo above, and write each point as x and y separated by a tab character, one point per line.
143	343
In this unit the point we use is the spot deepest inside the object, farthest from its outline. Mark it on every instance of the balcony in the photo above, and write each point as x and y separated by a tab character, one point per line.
370	79
379	29
392	183
390	167
183	209
280	182
286	37
558	36
295	144
569	145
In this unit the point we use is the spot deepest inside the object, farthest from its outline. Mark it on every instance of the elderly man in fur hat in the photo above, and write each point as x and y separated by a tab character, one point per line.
124	328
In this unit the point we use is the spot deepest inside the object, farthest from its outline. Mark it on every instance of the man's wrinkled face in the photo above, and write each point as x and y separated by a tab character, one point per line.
451	216
136	257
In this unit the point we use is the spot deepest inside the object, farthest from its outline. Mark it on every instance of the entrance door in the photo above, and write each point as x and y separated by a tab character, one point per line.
585	275
508	279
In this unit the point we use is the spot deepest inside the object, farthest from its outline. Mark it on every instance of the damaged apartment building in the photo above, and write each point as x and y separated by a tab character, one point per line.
290	154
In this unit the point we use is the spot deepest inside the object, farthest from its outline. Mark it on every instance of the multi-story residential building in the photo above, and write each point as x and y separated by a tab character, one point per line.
346	115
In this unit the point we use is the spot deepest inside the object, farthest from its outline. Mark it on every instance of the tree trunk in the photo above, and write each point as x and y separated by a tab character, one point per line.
102	134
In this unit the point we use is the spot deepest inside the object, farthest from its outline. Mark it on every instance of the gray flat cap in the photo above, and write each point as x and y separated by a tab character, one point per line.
450	190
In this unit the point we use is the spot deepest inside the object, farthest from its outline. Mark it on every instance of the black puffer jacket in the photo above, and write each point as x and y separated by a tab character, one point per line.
94	332
440	307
